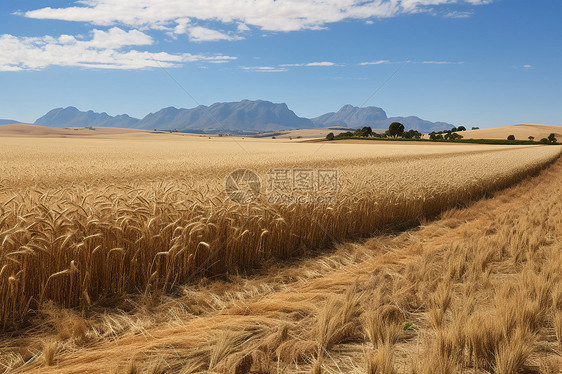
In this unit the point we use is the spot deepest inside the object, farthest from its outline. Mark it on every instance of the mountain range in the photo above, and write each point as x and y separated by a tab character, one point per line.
236	117
352	116
70	116
246	115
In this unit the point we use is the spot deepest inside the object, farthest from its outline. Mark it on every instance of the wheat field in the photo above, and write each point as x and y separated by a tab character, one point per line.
87	223
521	132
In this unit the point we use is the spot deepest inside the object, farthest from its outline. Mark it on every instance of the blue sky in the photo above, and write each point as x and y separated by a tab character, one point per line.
468	62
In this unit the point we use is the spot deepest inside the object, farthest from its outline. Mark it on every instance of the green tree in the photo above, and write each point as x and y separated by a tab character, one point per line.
552	138
367	131
364	132
347	134
475	128
511	137
396	129
544	141
452	136
531	138
454	129
330	136
461	128
412	134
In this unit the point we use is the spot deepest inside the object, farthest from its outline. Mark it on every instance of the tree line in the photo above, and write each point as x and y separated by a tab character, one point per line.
551	139
397	130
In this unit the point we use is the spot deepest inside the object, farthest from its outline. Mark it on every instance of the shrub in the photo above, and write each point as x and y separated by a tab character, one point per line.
347	134
364	132
511	137
412	134
330	136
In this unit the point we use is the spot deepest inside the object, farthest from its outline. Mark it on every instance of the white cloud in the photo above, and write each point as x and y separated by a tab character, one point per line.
528	67
268	15
200	20
242	27
182	25
264	69
379	62
458	14
203	34
416	5
116	38
110	49
443	62
479	2
67	39
284	67
323	63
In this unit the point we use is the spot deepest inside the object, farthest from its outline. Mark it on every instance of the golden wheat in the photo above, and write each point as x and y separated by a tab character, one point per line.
492	271
75	245
85	224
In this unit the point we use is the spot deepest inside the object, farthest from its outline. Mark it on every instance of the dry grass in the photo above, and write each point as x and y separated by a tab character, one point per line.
380	361
558	326
474	290
49	352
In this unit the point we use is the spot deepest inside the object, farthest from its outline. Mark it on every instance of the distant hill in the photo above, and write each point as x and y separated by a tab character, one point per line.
70	116
352	116
245	115
8	121
521	132
236	117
